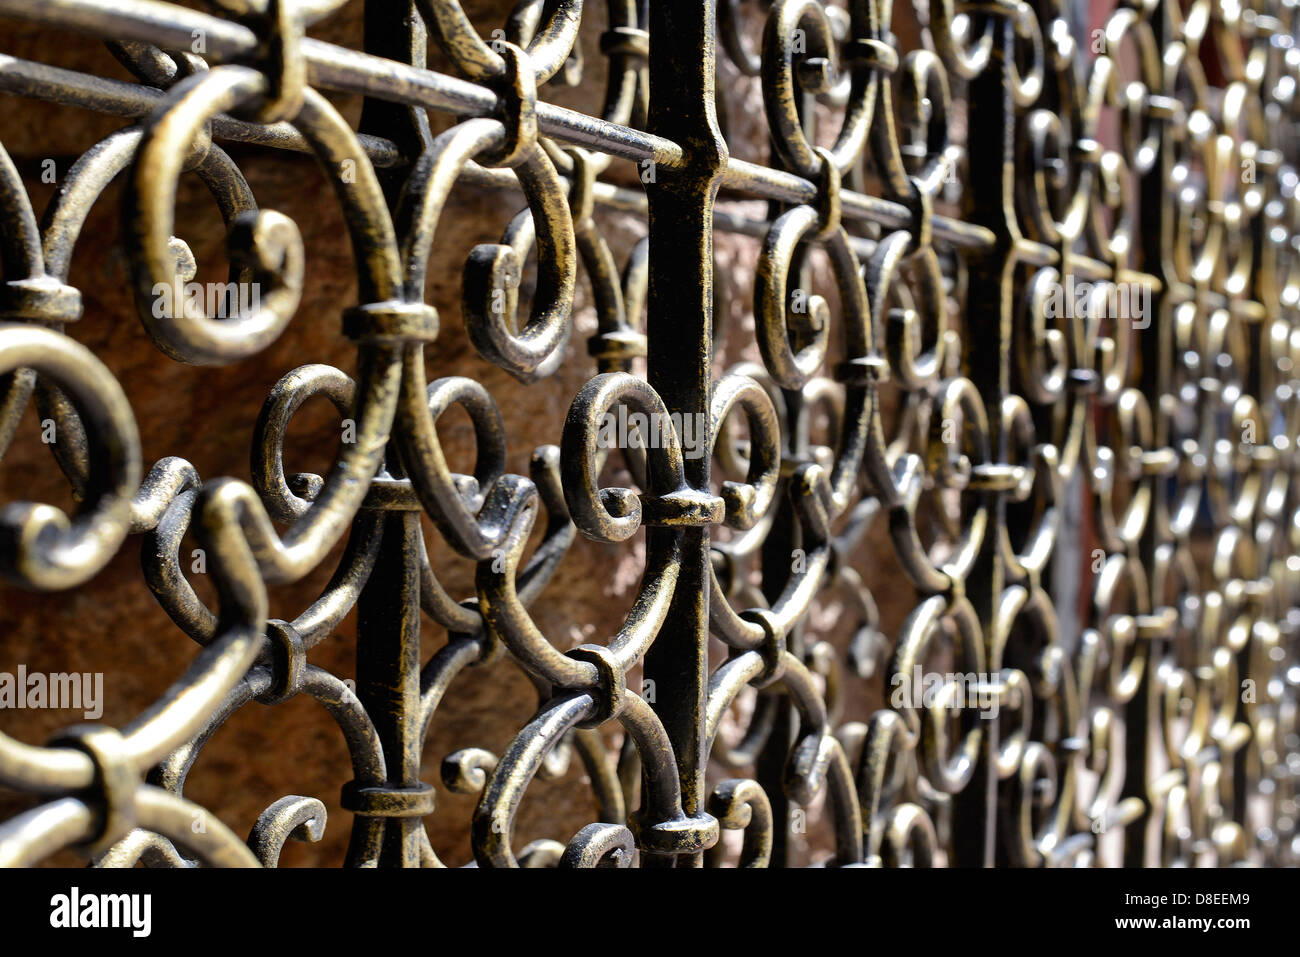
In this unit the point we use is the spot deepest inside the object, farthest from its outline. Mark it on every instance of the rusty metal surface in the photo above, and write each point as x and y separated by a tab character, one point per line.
1064	267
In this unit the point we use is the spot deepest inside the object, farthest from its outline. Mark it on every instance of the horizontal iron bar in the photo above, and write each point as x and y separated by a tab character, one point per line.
175	28
39	81
745	177
54	84
332	67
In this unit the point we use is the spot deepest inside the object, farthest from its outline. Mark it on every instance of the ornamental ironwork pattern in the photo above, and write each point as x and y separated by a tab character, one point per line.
977	366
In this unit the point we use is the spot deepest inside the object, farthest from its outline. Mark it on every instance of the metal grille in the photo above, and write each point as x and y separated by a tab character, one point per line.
1056	374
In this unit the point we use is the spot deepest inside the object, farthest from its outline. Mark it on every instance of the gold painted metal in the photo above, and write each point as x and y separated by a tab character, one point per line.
974	402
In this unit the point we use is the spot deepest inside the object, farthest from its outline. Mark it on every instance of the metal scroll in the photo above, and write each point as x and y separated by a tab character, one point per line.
1062	344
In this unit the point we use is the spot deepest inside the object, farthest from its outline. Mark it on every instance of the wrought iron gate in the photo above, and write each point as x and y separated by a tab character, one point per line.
1063	348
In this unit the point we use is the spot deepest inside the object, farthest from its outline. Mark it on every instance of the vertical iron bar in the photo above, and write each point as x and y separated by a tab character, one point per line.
388	671
680	353
778	550
394	30
1156	348
989	316
388	610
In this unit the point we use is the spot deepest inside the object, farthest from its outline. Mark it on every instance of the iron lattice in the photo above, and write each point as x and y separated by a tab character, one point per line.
967	410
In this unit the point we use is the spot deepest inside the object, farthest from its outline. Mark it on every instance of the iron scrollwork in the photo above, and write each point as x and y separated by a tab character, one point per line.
944	404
